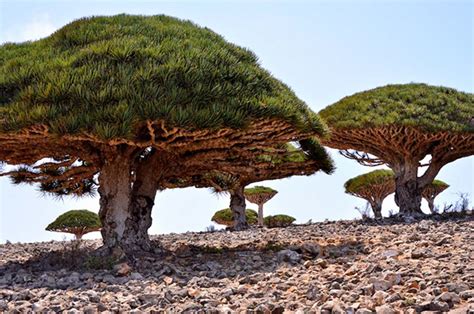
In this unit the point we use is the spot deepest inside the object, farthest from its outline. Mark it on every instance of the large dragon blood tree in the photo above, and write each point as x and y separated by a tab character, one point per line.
273	163
400	125
431	191
374	187
122	102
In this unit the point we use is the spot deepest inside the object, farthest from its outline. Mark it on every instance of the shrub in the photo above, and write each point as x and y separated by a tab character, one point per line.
225	217
77	222
278	221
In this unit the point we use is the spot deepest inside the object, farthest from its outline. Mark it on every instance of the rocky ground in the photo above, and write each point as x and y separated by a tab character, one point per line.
339	267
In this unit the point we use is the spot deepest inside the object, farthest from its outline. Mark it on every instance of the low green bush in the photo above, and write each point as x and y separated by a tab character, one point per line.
278	221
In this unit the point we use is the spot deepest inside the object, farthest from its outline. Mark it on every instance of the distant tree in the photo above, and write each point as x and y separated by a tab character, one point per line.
400	125
118	104
431	191
259	195
278	221
78	222
225	217
278	162
374	187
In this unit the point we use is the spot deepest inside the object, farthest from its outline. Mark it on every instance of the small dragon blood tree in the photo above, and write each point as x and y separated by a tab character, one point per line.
225	217
374	187
278	221
432	190
77	221
400	125
277	162
259	195
120	103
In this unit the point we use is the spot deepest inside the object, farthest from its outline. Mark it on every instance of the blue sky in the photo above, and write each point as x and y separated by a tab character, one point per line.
323	50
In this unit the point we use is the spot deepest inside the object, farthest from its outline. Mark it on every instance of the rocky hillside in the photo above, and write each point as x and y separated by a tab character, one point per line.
338	267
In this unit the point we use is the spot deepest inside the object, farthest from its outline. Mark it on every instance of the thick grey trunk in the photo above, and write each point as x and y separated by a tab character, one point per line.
260	215
237	205
125	210
408	191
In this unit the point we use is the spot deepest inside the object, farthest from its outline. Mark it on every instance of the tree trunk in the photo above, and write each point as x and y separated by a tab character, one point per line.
407	191
237	205
125	214
260	214
431	204
377	209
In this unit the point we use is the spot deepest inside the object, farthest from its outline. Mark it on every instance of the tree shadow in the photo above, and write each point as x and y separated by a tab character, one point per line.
249	262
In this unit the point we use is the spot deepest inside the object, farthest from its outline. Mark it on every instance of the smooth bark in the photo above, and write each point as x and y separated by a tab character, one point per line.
237	205
260	214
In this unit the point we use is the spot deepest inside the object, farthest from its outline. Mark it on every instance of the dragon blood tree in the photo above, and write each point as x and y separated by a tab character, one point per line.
400	125
273	163
431	191
259	195
374	187
120	103
78	222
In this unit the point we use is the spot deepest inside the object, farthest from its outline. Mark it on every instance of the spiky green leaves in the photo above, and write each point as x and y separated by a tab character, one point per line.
422	106
260	190
366	181
225	217
73	221
107	75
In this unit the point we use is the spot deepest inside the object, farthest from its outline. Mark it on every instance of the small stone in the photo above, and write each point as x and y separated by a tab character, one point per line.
416	254
364	311
321	263
448	297
122	269
168	280
289	256
385	309
381	284
193	292
136	276
379	297
390	253
467	294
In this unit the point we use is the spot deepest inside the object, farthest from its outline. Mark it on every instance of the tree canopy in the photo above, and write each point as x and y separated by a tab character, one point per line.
106	76
365	181
400	125
430	108
259	189
77	222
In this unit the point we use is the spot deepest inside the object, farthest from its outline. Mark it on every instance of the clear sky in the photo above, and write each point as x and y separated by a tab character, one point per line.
323	50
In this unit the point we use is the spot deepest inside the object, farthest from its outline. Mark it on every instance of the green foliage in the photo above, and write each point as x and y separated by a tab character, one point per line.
225	217
366	180
278	221
438	184
431	108
259	190
107	75
307	150
73	219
